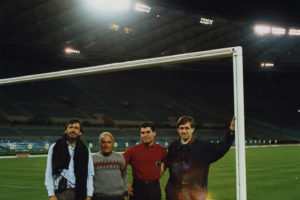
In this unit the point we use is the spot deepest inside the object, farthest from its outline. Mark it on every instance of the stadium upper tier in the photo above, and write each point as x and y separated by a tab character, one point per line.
116	99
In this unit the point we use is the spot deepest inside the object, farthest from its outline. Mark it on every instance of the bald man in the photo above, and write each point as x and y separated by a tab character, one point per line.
110	180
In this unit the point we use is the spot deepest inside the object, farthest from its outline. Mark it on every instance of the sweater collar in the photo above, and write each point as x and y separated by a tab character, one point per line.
189	143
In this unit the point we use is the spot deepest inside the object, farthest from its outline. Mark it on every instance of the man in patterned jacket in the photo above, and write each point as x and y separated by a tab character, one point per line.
110	180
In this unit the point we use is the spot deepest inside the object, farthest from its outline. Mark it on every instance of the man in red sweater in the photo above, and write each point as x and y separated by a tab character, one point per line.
146	160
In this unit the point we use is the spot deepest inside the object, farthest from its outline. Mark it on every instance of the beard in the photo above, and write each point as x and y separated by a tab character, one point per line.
70	139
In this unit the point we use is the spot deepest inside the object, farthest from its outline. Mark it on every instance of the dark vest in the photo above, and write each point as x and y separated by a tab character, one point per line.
61	159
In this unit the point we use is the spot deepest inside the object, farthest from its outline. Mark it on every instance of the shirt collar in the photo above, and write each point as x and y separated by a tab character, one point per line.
189	143
152	146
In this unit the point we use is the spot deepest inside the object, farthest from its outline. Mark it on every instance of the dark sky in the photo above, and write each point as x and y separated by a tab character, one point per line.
275	11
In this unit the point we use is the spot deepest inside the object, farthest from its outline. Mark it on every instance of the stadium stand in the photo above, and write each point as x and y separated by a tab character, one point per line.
116	103
8	132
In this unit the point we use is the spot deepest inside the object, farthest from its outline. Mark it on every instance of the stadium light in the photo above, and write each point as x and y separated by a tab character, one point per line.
69	50
127	30
114	27
262	29
142	7
278	31
267	29
293	32
206	21
109	5
266	64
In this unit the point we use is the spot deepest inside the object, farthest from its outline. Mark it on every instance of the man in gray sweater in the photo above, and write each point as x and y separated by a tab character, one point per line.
110	180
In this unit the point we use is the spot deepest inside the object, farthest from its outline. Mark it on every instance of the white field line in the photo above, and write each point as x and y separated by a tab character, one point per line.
233	147
23	187
30	156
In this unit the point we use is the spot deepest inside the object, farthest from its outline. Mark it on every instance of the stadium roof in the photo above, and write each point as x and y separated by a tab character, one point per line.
39	31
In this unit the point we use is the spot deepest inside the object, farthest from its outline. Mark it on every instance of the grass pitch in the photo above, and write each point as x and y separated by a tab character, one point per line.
272	173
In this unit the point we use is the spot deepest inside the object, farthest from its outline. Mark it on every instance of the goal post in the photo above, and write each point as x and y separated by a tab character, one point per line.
240	156
234	52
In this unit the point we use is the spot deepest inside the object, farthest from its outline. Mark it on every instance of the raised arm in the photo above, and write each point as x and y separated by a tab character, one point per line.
216	151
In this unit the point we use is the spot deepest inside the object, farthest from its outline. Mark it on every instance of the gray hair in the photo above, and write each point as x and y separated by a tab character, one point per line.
106	133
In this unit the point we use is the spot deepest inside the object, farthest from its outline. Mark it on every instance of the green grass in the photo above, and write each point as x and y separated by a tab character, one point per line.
272	173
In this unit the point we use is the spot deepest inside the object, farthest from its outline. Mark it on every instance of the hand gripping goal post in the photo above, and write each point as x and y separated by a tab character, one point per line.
234	52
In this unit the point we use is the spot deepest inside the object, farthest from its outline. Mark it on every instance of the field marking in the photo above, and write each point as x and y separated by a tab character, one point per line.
30	156
264	146
232	147
24	187
274	145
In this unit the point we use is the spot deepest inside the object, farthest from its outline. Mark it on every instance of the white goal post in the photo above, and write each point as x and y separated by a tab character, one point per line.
234	52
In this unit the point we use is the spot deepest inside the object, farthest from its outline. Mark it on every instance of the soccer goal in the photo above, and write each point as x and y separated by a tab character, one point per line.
234	52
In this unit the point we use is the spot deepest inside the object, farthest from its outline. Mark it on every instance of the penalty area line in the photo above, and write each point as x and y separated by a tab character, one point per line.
24	187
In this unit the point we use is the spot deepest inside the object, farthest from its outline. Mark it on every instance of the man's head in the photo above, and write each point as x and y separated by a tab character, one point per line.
106	142
73	129
147	133
185	128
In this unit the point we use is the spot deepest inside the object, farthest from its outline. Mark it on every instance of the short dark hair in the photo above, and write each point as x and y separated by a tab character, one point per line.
147	124
185	119
72	121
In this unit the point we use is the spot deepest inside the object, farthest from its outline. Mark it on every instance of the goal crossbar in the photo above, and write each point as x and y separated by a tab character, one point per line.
136	64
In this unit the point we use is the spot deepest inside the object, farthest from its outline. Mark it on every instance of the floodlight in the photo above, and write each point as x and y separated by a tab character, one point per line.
206	21
127	30
69	50
262	29
266	64
114	27
142	7
119	4
278	31
294	32
109	5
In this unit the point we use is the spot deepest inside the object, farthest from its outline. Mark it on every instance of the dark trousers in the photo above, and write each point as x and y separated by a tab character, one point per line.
146	191
66	195
171	192
185	192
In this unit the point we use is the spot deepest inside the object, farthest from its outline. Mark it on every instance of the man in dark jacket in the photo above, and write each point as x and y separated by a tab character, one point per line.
188	161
